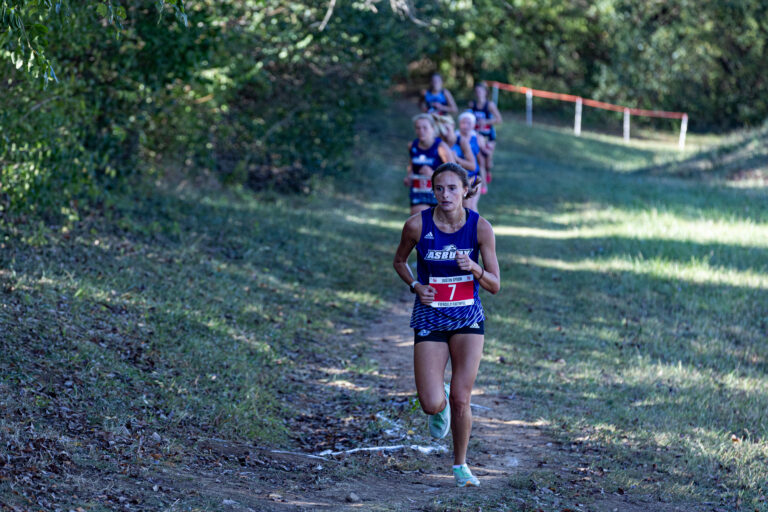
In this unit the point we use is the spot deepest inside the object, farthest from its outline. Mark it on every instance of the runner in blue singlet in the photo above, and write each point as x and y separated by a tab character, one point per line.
462	150
488	117
448	318
477	175
426	153
436	99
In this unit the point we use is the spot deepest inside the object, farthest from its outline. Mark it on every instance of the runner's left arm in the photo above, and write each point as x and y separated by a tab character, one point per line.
468	162
451	108
496	119
446	155
488	274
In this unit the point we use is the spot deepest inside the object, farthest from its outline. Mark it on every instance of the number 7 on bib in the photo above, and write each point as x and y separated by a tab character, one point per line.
453	291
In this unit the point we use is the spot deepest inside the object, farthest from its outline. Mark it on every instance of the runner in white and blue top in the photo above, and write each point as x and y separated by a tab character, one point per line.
488	117
473	149
430	98
448	318
426	152
467	122
436	99
462	149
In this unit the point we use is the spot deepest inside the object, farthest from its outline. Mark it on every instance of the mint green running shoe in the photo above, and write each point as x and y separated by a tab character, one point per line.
439	424
464	477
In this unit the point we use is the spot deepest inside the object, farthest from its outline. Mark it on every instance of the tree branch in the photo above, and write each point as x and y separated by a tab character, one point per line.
328	15
37	106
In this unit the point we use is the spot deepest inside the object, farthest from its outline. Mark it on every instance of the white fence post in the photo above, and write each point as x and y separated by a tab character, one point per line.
495	95
683	130
577	120
626	125
529	107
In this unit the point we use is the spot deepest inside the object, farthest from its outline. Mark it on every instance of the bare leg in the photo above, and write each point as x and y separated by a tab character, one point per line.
490	148
429	361
466	351
483	160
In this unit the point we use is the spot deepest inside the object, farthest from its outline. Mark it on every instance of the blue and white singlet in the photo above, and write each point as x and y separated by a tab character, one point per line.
481	114
421	188
457	303
430	98
475	147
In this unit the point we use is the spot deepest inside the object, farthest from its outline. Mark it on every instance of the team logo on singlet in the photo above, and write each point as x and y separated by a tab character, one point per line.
429	236
422	159
448	252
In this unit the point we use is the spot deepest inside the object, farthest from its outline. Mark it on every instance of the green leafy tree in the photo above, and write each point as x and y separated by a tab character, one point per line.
59	141
703	58
260	93
25	26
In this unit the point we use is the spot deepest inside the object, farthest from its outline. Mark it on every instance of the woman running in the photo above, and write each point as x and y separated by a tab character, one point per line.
436	99
462	149
467	136
448	319
427	152
488	117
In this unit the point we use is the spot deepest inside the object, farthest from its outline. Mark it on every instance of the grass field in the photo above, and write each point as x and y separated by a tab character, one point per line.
633	315
631	321
178	311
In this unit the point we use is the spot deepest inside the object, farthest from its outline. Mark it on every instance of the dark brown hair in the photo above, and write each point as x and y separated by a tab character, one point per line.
458	171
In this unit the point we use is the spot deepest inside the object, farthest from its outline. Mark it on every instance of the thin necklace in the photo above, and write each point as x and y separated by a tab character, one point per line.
461	222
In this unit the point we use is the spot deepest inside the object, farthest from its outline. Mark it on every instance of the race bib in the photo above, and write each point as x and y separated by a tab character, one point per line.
454	291
421	183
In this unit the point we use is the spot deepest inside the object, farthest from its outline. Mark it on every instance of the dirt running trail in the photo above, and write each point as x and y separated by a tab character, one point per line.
503	444
521	465
504	452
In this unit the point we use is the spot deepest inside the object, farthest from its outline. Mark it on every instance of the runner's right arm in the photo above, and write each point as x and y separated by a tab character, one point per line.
468	162
409	169
408	240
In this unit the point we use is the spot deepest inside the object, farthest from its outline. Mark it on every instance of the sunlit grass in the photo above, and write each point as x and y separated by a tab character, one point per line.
646	225
693	271
193	313
632	312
